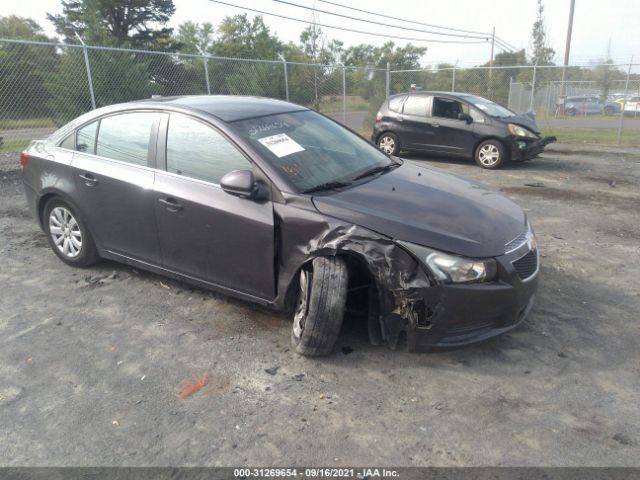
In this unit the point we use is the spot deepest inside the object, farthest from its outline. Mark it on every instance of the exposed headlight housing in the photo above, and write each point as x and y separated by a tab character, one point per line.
447	268
520	131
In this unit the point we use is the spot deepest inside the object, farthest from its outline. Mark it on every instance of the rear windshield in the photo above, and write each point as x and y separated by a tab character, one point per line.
490	108
309	149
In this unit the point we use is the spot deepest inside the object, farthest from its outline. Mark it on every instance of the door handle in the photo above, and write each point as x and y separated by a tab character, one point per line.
171	204
89	180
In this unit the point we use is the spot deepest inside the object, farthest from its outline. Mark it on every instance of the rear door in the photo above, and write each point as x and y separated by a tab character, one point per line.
204	232
417	131
112	168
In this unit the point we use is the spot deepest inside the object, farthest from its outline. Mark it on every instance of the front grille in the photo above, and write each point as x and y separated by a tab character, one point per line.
526	265
516	242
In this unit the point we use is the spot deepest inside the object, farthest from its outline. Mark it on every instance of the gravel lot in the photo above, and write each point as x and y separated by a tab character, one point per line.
90	360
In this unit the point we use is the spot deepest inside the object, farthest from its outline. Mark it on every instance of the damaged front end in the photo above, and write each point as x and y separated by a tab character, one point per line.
410	302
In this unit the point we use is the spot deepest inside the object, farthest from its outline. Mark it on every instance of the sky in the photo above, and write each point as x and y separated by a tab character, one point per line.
598	25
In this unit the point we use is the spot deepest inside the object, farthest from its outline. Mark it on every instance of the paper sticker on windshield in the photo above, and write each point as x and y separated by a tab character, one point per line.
281	145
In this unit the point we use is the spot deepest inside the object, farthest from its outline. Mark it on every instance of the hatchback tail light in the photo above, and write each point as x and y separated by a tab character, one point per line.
24	158
378	117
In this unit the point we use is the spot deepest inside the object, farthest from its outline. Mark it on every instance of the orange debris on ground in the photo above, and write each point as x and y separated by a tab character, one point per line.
189	388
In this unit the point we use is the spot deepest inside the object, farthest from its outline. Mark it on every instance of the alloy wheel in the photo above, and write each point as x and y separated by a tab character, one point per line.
489	155
303	302
65	232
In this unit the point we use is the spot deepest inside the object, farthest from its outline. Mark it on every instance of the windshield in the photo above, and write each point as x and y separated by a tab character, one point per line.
490	108
309	149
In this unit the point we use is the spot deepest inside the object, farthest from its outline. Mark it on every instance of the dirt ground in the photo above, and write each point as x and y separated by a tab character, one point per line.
90	360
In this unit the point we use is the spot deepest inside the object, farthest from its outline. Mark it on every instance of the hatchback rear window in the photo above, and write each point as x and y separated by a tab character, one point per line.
395	104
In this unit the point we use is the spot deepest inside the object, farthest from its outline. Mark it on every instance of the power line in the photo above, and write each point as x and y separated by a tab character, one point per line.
511	47
383	24
428	40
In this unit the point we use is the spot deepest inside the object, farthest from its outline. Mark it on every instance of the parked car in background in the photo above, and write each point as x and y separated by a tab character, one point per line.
458	124
632	106
588	105
281	206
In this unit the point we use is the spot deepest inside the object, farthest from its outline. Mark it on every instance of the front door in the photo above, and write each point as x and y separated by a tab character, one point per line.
206	233
455	136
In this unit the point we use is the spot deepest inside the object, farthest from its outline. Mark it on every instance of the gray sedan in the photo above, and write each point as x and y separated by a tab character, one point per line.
279	205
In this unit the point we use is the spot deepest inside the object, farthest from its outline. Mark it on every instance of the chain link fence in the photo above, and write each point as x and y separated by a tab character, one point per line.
44	85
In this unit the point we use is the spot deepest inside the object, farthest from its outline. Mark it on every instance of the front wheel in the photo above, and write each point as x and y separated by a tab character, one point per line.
490	154
389	143
320	308
68	235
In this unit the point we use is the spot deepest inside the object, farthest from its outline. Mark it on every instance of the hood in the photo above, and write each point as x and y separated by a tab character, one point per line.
527	120
430	207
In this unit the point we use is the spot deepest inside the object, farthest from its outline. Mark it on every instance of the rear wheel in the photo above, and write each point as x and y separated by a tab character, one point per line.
320	308
68	235
609	111
490	154
388	142
571	112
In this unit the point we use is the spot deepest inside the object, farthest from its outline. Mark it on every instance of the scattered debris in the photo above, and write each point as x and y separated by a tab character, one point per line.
559	237
272	370
563	355
115	422
189	388
612	183
534	184
299	377
142	378
165	286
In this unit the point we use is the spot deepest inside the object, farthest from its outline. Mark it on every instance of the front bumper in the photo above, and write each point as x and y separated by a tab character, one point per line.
454	315
525	149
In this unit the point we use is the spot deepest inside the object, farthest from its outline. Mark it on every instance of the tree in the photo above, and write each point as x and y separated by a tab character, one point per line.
135	23
23	69
542	53
195	38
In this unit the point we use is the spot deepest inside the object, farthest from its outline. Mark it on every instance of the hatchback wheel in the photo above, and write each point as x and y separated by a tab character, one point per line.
389	143
321	302
609	111
68	236
490	154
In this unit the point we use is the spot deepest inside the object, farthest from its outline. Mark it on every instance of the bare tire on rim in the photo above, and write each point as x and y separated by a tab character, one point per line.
490	154
389	143
321	303
68	235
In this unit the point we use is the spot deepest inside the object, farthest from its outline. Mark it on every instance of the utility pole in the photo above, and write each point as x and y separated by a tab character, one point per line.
567	49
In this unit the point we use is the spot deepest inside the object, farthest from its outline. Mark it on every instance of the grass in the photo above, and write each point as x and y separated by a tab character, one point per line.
14	144
332	104
597	136
10	124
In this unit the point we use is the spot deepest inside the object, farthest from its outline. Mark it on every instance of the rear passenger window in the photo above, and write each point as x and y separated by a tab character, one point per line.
86	138
395	104
198	151
416	105
126	137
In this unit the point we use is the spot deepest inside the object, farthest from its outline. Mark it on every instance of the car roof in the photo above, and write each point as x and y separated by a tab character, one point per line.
436	92
228	108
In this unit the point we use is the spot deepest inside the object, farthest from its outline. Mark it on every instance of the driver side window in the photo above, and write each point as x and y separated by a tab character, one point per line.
446	108
198	151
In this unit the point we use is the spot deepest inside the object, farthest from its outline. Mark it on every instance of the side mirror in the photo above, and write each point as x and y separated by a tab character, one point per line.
466	117
239	183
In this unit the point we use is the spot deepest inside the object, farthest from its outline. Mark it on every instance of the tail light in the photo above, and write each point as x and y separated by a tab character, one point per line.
24	158
378	117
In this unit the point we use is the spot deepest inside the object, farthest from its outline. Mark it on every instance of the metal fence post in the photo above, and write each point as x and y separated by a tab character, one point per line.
388	79
626	88
89	79
286	78
344	94
533	87
206	73
453	80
